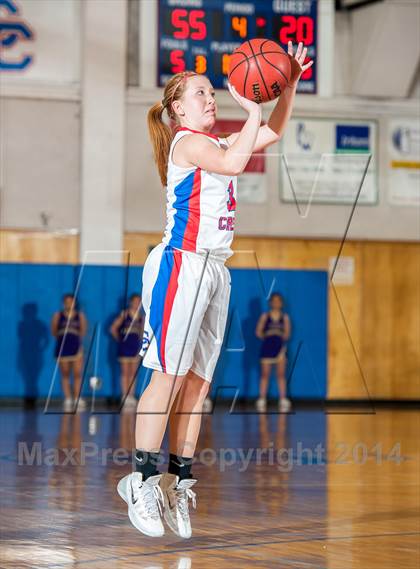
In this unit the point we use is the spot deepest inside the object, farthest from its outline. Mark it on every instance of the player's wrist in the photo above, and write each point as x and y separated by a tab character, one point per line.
291	86
256	111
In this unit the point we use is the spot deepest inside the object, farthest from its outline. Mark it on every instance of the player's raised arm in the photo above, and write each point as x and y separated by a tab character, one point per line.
272	131
199	151
283	109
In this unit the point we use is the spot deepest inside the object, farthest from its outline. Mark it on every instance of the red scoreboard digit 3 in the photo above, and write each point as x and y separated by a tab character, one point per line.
200	35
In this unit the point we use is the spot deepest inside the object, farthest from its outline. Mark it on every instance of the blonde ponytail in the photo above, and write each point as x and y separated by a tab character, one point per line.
161	137
160	133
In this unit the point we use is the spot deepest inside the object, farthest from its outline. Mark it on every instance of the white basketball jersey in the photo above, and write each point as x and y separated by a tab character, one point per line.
200	206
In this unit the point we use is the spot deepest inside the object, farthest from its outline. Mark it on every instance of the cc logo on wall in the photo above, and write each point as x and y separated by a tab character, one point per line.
14	31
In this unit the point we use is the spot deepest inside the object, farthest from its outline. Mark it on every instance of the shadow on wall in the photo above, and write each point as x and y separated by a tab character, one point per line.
33	338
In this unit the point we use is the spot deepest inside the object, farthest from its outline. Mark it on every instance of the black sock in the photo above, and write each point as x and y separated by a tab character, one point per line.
180	465
146	462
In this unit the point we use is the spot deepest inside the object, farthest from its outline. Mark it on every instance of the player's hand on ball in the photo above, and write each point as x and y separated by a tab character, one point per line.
297	62
246	104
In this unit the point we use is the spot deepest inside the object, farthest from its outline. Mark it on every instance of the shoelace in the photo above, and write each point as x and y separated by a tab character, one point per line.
183	494
152	499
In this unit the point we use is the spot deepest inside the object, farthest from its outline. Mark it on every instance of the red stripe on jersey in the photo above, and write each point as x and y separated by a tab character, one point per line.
198	132
189	242
169	301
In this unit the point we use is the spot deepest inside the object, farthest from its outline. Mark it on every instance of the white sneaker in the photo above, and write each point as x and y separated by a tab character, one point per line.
81	404
207	405
176	495
68	404
144	501
261	405
284	404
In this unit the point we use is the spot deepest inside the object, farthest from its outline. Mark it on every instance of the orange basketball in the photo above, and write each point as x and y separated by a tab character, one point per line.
259	70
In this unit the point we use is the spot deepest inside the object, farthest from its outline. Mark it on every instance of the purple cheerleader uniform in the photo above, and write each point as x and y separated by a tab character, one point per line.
274	345
130	334
68	344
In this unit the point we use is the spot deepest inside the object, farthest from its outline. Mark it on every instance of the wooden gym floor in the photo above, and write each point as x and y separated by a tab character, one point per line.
343	492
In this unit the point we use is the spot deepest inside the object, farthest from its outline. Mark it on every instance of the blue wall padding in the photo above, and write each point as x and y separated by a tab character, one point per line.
31	293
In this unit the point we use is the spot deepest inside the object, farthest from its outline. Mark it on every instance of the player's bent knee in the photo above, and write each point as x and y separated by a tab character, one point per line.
197	385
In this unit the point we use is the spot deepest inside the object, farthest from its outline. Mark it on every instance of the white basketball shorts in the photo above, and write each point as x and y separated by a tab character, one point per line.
185	297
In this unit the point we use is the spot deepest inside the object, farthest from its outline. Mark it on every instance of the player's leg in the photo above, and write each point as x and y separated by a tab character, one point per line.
65	384
185	419
174	300
170	282
126	378
261	403
140	489
77	365
153	410
284	402
208	404
184	429
133	365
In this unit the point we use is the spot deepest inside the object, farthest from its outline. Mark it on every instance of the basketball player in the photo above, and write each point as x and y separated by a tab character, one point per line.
274	329
127	330
186	285
68	327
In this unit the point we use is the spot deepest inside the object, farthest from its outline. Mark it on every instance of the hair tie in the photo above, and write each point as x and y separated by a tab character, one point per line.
184	76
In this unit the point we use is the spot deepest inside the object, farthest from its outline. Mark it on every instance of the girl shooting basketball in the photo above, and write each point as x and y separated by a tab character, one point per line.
186	285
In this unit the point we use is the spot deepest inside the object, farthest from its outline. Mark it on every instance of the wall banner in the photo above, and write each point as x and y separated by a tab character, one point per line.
326	161
404	161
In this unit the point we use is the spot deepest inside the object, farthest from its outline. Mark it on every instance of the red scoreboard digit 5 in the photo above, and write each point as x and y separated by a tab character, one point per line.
199	35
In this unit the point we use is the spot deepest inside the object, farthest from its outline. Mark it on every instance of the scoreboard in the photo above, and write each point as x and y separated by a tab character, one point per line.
200	35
